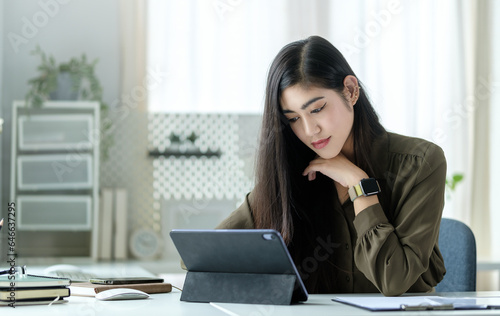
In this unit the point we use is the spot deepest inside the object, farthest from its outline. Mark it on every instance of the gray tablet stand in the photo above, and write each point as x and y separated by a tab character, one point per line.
247	288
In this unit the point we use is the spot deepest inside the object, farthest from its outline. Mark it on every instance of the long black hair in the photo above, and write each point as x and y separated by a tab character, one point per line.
280	196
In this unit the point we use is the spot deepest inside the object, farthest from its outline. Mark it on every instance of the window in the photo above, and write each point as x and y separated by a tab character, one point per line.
215	53
416	60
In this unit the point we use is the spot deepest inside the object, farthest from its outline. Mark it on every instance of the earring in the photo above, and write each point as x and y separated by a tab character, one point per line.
356	94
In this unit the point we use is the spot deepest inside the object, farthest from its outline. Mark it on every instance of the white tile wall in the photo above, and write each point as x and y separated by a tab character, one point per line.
153	182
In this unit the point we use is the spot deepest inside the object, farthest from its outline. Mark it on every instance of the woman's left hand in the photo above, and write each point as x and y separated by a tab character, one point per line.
339	168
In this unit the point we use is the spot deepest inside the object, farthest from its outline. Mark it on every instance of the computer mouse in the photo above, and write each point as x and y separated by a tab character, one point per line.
121	294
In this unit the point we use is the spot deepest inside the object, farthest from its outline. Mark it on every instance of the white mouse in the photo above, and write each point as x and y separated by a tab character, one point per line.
121	294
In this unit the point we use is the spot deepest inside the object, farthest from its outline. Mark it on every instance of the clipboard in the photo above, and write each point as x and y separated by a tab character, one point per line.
251	266
420	303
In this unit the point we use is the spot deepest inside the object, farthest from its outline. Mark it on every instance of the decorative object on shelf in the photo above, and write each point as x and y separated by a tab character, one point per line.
72	80
174	138
54	81
145	244
183	146
192	138
185	153
204	177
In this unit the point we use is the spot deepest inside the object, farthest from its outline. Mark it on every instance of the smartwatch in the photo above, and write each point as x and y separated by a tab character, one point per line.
366	187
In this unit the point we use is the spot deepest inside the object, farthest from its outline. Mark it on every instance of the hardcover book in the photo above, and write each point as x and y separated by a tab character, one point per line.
32	293
29	281
35	301
90	289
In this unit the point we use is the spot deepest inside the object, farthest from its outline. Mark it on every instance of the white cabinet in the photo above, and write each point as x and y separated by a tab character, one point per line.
54	132
54	172
54	212
55	161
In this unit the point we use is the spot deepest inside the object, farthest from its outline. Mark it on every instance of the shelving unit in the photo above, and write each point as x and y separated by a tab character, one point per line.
54	178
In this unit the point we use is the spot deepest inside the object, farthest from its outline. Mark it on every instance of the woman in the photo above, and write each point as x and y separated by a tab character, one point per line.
320	138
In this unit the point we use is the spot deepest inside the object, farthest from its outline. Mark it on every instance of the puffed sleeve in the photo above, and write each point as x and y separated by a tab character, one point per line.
402	255
241	218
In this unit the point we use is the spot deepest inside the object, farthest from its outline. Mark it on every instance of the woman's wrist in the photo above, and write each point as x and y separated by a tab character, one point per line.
356	178
363	202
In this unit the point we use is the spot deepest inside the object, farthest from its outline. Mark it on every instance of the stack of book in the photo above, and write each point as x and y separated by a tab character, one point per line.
30	289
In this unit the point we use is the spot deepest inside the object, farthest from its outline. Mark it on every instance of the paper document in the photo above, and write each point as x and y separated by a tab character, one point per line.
381	303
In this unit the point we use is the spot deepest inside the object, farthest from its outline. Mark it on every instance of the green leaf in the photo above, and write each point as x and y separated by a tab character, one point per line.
452	182
458	177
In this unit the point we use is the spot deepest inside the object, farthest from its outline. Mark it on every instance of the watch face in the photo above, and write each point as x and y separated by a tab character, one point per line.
370	186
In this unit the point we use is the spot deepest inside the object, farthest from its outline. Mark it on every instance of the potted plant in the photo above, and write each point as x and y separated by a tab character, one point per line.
452	181
72	80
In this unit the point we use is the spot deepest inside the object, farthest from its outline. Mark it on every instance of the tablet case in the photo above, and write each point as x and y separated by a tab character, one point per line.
238	266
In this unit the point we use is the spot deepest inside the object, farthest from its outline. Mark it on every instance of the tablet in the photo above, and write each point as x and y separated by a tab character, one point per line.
240	251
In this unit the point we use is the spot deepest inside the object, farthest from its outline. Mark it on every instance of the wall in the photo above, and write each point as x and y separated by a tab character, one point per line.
167	192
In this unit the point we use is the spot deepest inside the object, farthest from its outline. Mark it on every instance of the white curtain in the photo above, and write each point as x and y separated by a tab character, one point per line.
493	113
415	60
422	62
134	47
485	109
215	53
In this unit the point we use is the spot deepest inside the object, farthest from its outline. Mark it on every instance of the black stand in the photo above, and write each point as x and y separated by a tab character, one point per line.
275	289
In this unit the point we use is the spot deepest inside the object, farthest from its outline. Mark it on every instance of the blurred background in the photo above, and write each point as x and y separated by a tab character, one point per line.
177	119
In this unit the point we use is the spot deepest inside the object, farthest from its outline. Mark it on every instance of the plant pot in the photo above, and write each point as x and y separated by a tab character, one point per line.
64	89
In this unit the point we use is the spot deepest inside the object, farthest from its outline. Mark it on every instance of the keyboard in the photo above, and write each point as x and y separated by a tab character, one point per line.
85	273
75	276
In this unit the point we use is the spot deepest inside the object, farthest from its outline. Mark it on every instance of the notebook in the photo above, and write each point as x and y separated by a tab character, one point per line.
38	293
35	301
30	280
32	289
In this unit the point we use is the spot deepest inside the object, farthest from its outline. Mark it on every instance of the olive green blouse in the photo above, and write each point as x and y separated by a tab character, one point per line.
390	247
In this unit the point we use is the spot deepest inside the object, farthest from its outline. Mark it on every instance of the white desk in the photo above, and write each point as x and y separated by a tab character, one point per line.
169	304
